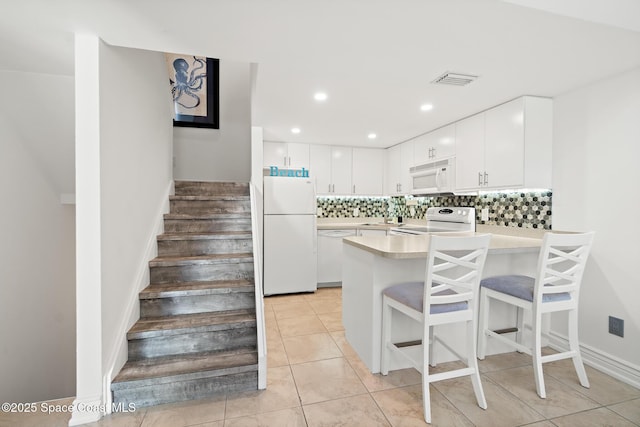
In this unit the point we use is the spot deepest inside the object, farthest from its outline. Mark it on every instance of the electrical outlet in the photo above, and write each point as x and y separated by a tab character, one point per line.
616	326
484	215
356	212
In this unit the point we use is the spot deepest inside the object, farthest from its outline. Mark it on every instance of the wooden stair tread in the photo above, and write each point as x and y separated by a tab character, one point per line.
197	364
208	215
169	290
211	197
183	323
172	261
211	235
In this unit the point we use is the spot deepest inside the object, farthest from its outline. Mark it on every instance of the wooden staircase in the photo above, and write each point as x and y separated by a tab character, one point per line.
196	336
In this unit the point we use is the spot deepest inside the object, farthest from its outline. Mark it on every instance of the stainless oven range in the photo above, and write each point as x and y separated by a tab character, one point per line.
441	219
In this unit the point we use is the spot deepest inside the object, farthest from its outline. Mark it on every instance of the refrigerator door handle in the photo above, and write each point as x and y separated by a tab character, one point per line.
314	232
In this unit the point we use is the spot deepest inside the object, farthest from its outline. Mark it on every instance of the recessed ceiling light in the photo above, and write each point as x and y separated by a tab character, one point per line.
426	107
295	130
320	96
372	136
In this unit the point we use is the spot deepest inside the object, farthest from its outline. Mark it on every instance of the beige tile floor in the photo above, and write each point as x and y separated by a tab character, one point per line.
316	379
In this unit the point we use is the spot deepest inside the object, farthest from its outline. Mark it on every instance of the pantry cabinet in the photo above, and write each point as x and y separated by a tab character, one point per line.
508	146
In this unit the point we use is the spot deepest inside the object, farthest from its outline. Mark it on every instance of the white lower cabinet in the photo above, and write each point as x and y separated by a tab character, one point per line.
367	232
330	254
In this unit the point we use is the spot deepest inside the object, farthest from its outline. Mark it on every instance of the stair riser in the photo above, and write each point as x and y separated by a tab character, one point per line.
196	342
203	247
196	304
206	225
196	389
195	273
211	188
210	206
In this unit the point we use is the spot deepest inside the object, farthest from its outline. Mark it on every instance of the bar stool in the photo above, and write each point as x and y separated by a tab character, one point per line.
560	267
449	294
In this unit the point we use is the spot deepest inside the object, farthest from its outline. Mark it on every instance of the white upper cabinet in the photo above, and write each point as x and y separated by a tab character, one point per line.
399	160
341	170
320	167
285	155
331	168
508	146
435	145
368	166
504	145
470	152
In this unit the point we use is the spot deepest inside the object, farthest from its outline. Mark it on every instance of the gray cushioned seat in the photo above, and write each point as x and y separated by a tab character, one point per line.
411	294
520	287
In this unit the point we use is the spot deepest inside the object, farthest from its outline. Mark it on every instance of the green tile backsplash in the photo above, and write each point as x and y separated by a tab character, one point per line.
513	209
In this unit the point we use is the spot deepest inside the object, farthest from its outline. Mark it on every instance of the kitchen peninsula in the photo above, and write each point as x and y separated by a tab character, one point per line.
372	263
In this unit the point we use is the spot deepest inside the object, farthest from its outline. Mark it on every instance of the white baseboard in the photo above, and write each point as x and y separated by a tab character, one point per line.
118	355
86	411
598	359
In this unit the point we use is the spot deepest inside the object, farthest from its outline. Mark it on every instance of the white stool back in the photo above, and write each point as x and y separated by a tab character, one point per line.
449	294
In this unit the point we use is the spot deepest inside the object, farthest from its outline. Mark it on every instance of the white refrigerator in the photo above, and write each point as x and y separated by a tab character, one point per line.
290	242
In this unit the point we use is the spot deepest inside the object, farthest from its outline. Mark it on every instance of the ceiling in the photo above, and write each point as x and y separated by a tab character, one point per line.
375	59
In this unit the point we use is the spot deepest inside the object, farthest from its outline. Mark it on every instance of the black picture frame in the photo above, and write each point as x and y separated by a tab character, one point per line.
190	89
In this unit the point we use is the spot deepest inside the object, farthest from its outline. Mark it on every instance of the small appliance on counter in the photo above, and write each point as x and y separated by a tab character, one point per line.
290	240
441	219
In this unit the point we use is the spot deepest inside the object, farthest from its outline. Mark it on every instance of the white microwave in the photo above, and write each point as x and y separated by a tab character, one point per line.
433	177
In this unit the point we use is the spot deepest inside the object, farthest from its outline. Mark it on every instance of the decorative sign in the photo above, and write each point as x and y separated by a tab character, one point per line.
295	173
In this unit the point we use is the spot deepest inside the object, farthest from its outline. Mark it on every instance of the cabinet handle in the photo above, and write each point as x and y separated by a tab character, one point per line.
285	161
354	189
400	187
289	161
479	178
329	190
434	152
486	178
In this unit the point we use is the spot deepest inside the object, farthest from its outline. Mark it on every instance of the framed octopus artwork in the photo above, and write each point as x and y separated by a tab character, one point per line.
194	82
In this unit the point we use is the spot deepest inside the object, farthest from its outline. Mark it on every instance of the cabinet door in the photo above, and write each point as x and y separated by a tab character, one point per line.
341	170
406	161
320	167
422	149
367	171
443	141
392	170
469	152
298	155
504	145
274	154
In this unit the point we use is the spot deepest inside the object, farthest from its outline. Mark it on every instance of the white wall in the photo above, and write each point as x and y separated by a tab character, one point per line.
220	154
135	161
37	276
596	178
123	155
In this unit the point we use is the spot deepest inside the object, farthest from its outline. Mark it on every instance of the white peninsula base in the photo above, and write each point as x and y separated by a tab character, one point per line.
373	263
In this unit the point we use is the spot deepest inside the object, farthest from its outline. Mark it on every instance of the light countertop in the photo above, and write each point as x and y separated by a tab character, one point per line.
359	223
406	247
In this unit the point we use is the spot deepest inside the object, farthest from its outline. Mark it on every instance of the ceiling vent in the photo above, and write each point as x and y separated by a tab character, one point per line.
455	79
